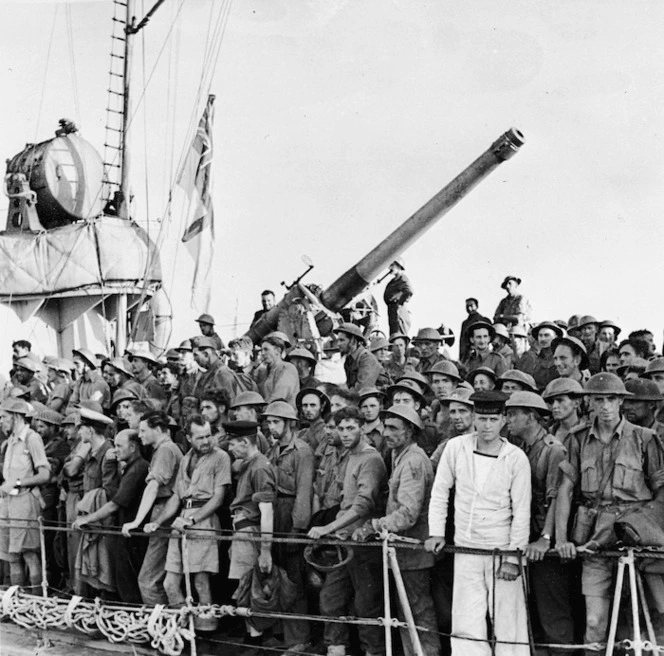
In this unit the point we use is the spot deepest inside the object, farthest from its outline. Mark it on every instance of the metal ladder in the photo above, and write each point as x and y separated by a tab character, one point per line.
114	105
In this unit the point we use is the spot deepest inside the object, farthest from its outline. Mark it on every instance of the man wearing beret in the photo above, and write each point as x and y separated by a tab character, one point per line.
491	478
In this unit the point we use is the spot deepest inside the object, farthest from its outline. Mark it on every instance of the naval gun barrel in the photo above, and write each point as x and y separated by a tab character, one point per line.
356	279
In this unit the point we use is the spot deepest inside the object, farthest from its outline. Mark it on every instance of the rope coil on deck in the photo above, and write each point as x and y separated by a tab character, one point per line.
170	629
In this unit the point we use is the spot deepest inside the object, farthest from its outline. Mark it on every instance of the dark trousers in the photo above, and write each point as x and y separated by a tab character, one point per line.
360	585
290	557
418	590
442	580
128	554
550	605
398	318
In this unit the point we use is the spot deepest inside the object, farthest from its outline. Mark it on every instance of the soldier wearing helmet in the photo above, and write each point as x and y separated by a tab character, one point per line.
206	326
564	397
480	334
428	342
589	334
313	406
612	465
359	583
501	344
398	292
571	359
406	514
655	372
25	467
549	580
361	366
293	460
538	360
641	407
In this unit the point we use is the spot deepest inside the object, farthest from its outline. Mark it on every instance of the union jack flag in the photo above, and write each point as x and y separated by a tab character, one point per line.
201	156
196	180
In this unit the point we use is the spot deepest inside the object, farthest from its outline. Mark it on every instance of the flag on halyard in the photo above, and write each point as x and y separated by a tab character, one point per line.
196	180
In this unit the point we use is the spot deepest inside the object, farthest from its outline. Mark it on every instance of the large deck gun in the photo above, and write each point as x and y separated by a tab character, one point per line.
343	290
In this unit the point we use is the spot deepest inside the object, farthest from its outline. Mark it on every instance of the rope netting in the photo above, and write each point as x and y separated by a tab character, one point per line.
170	630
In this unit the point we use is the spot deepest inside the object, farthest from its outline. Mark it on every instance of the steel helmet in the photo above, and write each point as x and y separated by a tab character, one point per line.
655	366
407	385
280	409
428	335
444	368
378	343
248	398
324	399
605	383
562	387
500	329
643	389
520	377
577	347
301	352
527	400
371	392
406	413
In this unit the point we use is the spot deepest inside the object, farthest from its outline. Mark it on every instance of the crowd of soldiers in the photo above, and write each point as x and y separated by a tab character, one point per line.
529	443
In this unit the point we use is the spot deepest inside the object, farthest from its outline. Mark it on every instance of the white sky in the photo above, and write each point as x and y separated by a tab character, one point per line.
336	120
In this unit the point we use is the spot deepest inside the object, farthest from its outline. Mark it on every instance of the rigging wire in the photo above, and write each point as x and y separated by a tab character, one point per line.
48	59
213	49
145	133
72	62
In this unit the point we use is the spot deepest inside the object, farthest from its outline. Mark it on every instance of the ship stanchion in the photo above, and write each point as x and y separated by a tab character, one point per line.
187	587
42	544
387	618
646	611
403	600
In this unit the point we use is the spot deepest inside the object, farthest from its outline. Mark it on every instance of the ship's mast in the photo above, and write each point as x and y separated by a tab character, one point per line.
130	31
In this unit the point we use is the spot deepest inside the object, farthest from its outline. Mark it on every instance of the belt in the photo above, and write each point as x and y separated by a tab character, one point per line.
243	523
283	495
194	503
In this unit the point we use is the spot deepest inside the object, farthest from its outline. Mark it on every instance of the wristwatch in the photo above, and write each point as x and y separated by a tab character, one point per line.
17	485
193	520
546	536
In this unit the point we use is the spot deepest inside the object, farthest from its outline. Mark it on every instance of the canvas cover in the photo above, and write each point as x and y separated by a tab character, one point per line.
101	253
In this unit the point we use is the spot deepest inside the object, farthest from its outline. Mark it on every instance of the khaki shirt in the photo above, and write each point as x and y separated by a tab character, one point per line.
211	472
363	487
313	434
329	475
257	483
164	467
544	455
408	503
24	455
639	457
294	463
